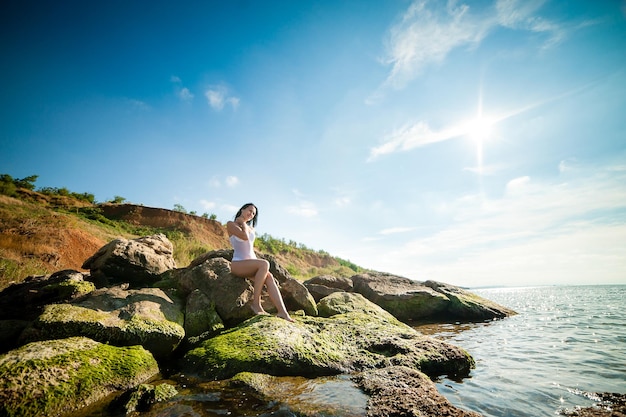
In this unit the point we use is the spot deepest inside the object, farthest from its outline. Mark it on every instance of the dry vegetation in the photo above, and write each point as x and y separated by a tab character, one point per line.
42	234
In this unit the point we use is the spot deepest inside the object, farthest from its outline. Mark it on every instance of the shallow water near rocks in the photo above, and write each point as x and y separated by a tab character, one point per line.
291	396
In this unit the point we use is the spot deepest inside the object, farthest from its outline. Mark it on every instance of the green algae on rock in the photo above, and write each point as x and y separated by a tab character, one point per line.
55	377
315	346
146	317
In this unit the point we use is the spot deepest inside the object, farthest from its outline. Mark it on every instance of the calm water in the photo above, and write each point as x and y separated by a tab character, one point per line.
566	341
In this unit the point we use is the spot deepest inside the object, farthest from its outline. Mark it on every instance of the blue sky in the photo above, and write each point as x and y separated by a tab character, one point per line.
470	142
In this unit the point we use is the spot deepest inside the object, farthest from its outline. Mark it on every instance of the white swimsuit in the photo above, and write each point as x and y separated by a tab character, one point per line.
244	249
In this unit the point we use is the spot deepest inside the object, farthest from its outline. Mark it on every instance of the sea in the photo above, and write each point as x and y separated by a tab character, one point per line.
565	344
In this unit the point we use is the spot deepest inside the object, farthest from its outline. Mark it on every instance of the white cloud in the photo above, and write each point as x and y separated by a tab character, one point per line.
425	36
232	181
413	136
304	209
207	205
396	230
219	96
428	32
566	231
184	94
342	201
517	184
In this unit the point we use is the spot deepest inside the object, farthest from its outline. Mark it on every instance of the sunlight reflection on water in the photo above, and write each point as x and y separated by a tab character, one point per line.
564	341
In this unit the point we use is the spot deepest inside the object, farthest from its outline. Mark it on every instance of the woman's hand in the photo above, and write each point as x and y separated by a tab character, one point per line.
238	228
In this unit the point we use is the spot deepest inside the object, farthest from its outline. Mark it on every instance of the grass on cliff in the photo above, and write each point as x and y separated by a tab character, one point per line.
31	226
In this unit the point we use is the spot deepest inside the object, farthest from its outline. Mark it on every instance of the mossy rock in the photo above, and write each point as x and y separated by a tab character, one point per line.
56	377
344	302
145	395
144	317
316	346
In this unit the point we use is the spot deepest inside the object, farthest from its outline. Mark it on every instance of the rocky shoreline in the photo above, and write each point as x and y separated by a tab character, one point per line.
72	339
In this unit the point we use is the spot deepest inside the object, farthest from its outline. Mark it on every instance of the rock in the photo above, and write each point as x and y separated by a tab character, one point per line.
56	377
25	301
146	317
345	302
314	346
324	285
463	304
410	300
398	391
232	295
402	297
610	404
10	331
145	395
200	315
138	262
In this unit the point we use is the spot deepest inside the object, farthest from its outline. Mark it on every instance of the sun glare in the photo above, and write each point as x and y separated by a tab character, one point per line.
479	129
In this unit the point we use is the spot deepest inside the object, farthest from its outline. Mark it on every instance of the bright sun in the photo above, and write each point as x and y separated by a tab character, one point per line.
479	129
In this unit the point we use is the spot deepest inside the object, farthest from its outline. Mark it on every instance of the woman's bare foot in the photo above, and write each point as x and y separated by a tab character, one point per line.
286	317
259	311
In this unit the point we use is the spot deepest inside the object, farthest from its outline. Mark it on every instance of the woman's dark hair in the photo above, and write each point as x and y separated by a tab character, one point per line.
256	213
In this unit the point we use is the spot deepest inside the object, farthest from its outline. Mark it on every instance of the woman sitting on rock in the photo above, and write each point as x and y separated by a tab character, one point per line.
246	264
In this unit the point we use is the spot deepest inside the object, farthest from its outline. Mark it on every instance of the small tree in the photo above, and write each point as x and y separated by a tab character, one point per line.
7	186
118	200
28	182
179	208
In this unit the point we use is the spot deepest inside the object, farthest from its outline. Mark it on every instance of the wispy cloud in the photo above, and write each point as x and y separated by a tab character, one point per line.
535	224
425	35
183	93
219	96
208	205
229	181
413	136
396	230
303	209
428	31
232	181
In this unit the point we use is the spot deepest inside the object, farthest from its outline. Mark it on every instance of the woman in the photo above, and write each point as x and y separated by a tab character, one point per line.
246	264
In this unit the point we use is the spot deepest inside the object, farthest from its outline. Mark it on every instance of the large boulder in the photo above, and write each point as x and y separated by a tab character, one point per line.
402	297
469	306
398	391
147	317
345	302
57	377
138	262
323	285
25	300
21	303
200	315
232	295
410	300
351	341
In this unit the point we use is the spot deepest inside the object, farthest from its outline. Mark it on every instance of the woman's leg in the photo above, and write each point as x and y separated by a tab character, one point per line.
276	297
258	269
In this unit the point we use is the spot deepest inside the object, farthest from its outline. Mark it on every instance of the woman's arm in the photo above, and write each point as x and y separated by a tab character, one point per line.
239	230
